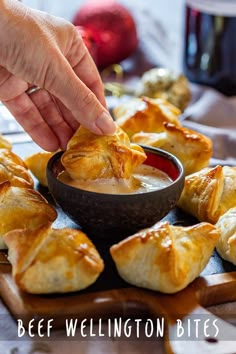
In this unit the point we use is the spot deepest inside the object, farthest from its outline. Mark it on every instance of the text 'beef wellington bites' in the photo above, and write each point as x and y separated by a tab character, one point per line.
226	245
14	170
165	258
89	156
209	193
47	260
145	114
193	149
22	208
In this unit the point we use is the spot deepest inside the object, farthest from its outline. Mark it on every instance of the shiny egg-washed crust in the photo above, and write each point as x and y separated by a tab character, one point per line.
192	148
226	245
48	260
90	156
22	208
146	115
4	143
209	193
165	258
14	170
37	163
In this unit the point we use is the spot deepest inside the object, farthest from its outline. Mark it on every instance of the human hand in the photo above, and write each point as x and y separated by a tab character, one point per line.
39	49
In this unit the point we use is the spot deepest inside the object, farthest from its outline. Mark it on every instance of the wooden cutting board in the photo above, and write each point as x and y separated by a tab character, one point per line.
111	297
134	303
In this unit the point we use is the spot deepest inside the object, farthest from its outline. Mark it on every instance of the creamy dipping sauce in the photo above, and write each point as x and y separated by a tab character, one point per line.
144	179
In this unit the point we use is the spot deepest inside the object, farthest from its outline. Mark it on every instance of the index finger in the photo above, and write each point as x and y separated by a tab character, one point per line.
85	68
66	86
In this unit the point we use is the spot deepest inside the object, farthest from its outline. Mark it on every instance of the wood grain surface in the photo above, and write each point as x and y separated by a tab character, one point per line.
128	303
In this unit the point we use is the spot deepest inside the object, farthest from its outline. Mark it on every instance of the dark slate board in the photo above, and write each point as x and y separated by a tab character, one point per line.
109	278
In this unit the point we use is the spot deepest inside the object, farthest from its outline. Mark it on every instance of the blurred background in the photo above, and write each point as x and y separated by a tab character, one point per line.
159	26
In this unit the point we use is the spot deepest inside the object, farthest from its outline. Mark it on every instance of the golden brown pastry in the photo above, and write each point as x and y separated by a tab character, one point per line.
145	114
37	163
226	245
14	170
209	193
165	258
90	156
193	149
22	208
164	83
4	143
47	260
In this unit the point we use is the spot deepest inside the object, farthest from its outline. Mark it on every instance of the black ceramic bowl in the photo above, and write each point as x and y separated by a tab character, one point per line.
118	215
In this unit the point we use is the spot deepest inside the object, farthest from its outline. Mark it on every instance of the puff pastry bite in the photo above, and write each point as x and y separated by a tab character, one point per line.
22	208
47	260
226	246
4	143
145	114
193	149
209	193
165	258
91	156
37	163
13	169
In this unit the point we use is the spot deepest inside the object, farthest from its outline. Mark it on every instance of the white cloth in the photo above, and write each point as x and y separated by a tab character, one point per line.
214	115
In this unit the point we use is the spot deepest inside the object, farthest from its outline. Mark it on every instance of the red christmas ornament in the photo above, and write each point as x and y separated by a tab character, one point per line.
89	41
111	26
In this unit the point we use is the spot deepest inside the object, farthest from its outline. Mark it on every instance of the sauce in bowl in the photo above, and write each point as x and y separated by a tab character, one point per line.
144	179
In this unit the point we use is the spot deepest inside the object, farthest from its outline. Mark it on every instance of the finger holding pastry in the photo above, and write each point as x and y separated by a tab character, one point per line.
89	156
49	110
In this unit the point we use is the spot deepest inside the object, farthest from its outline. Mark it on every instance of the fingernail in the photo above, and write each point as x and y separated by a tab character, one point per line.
106	124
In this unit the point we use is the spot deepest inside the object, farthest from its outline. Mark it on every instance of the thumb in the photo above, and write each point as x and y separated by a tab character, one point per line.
78	98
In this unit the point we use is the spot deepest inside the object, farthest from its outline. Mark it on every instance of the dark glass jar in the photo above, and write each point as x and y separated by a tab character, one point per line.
210	43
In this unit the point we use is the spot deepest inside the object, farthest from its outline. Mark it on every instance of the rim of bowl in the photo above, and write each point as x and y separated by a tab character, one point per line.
151	149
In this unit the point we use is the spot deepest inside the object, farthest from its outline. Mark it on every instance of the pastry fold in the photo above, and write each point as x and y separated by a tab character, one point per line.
14	170
22	208
193	149
226	246
48	260
209	193
145	114
90	156
165	258
37	164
